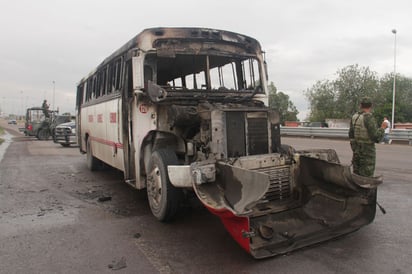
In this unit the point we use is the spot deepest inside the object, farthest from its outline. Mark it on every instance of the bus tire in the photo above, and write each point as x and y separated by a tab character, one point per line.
92	162
164	198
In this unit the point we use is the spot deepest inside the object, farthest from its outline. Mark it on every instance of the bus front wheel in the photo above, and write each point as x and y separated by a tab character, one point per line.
164	198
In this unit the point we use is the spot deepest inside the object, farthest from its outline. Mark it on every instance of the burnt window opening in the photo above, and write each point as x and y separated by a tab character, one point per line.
204	72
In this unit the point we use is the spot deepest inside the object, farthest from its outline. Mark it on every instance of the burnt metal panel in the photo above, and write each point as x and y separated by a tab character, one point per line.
280	185
276	144
258	139
236	137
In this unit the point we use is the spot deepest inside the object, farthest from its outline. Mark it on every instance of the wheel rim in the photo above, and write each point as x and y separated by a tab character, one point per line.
155	187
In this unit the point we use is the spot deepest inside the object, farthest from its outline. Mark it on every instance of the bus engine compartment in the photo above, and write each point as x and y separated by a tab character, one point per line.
271	198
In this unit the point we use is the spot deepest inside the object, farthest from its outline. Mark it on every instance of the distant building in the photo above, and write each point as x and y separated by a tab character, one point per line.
403	125
292	123
338	123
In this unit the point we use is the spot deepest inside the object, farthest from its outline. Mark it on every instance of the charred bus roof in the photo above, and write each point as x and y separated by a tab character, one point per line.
160	38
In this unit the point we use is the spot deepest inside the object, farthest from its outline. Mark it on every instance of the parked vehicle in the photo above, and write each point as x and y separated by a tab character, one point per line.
182	110
65	134
37	122
58	120
316	124
12	122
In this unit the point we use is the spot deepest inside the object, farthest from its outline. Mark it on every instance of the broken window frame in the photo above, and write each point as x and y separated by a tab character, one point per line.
242	72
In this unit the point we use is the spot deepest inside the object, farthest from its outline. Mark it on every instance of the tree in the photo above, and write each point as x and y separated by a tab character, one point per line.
352	84
322	101
403	100
281	102
340	98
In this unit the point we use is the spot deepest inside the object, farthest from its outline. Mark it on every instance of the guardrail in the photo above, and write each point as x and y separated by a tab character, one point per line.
403	135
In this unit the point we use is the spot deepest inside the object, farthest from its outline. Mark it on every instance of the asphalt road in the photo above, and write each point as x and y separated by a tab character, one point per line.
52	222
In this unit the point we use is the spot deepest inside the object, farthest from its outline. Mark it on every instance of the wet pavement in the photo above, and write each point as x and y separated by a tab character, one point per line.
52	221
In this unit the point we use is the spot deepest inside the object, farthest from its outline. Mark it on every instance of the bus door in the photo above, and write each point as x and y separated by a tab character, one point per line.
127	125
79	101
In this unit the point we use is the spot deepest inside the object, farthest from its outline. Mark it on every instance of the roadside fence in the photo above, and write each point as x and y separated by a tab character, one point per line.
397	135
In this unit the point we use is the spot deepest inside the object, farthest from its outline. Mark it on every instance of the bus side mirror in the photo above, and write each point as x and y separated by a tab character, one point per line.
137	69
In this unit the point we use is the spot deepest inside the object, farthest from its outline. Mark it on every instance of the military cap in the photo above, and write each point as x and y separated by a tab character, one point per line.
366	101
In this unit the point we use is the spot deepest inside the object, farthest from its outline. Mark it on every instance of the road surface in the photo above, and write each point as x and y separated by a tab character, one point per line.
52	221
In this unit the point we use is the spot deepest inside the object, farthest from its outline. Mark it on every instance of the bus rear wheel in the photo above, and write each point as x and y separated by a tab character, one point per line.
164	198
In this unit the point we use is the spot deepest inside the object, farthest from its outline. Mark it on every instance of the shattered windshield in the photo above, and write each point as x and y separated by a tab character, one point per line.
209	73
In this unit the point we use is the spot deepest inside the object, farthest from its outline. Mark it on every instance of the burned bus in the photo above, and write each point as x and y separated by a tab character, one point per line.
184	110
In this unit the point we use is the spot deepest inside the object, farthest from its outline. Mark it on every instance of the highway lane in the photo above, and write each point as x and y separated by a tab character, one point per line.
52	222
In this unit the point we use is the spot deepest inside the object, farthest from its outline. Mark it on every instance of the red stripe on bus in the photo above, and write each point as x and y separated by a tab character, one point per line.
107	142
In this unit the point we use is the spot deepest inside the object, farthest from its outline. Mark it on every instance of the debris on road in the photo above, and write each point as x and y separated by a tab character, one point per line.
104	199
118	264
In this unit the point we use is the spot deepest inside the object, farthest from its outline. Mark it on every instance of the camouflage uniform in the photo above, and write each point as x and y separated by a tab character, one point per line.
45	107
363	134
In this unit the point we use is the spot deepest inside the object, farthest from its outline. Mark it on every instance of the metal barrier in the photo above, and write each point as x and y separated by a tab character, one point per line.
315	132
403	135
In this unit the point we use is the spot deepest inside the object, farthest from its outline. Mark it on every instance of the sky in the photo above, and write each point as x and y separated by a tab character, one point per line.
47	46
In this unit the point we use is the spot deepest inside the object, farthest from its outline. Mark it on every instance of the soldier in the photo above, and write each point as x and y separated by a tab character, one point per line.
363	134
45	107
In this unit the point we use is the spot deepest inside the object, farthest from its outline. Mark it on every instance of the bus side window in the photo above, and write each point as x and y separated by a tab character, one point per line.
79	98
110	79
129	79
104	81
117	79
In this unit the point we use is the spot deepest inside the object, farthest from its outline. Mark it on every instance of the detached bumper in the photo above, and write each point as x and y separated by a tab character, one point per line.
272	205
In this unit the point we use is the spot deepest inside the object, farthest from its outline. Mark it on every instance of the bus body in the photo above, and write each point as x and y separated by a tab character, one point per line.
185	109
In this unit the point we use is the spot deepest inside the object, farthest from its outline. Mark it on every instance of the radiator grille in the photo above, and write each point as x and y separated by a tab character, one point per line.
279	189
63	130
235	130
258	136
247	133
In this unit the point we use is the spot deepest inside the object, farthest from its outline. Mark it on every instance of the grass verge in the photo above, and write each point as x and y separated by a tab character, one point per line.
1	133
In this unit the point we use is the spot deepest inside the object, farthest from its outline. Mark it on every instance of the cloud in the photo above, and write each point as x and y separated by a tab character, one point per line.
61	41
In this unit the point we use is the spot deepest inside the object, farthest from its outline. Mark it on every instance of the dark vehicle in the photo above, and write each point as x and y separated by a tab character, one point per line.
317	124
65	134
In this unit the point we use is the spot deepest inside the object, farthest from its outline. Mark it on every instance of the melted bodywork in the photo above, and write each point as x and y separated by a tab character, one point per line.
194	116
320	200
270	198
